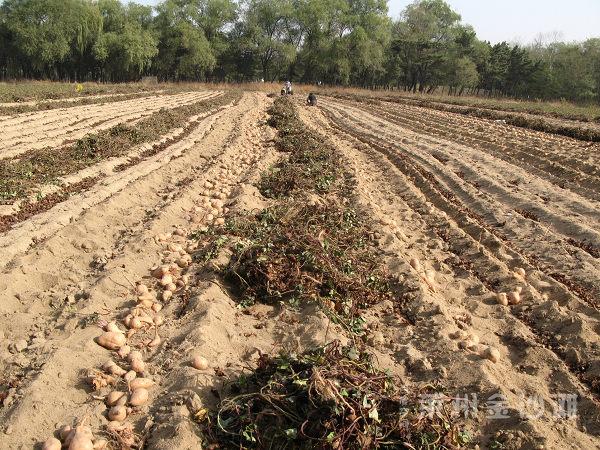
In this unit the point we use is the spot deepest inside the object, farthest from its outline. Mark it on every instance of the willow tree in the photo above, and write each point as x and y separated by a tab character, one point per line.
50	38
127	44
192	37
265	31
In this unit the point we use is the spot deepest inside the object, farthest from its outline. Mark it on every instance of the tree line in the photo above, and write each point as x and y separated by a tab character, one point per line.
336	42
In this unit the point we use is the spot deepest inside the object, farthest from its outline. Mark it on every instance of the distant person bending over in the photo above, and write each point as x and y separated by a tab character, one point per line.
312	99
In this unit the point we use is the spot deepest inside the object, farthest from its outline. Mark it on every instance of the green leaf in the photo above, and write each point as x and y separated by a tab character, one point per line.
374	414
365	401
248	433
353	354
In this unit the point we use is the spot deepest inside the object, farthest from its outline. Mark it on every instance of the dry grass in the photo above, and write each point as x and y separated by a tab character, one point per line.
330	398
314	244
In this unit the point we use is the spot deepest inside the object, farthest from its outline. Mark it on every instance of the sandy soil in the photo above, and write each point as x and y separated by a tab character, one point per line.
119	229
454	206
473	200
67	99
103	171
556	121
51	128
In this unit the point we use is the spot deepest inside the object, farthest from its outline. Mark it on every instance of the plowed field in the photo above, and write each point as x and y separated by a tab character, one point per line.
462	209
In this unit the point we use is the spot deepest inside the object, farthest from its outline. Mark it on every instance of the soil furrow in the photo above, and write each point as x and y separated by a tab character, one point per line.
54	127
579	267
10	109
45	224
472	160
468	278
111	243
84	179
564	169
454	259
586	349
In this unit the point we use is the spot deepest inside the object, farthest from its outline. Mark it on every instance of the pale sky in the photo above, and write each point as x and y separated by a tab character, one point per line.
519	20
